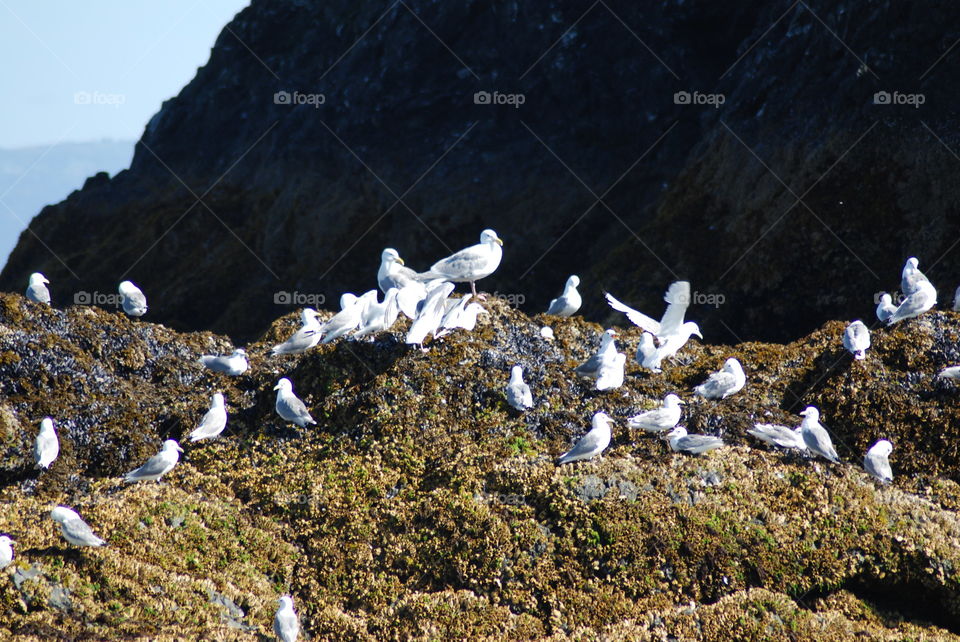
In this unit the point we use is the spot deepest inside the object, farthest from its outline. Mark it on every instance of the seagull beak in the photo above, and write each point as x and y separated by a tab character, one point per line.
277	387
400	261
682	402
698	334
498	241
179	448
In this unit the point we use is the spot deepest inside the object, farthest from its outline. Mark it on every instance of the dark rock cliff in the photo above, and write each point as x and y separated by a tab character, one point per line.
796	199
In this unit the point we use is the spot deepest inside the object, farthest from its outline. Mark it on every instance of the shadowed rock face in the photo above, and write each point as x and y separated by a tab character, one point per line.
422	505
300	198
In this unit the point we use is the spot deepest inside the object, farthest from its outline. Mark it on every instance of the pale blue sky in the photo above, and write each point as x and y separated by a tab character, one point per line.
124	57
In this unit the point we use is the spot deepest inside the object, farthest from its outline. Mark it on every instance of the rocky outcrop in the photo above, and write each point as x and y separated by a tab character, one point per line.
422	506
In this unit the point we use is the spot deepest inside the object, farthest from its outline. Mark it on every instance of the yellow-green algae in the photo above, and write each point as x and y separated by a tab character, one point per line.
422	506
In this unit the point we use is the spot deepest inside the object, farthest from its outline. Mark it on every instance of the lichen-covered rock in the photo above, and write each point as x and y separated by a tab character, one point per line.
423	506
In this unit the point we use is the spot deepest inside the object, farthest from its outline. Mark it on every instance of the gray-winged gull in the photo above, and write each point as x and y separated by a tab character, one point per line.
471	264
349	317
876	461
213	422
816	437
569	300
234	364
678	300
73	528
680	441
921	300
856	339
610	373
886	307
608	348
911	276
378	316
777	435
37	289
430	315
724	383
306	337
518	392
591	444
158	465
666	417
134	302
47	445
289	406
286	625
953	372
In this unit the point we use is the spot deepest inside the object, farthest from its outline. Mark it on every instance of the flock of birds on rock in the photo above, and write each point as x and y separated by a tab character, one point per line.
424	297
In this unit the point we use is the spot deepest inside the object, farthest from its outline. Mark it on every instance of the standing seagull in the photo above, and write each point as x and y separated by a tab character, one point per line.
6	551
816	437
234	365
921	300
591	444
74	530
286	625
460	315
886	307
569	301
349	317
289	406
47	446
158	465
213	422
393	273
608	348
649	355
37	289
430	316
876	461
678	300
911	277
777	435
680	441
134	302
470	264
303	339
666	417
724	383
856	339
610	373
518	392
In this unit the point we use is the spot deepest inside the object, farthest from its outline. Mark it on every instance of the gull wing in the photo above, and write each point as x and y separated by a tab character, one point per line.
636	317
678	300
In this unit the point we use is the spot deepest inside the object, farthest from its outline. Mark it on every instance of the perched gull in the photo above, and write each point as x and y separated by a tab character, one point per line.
349	317
674	342
393	273
286	626
6	551
777	435
213	422
911	277
289	407
459	315
876	463
608	348
886	307
303	339
37	289
378	317
610	373
74	530
158	465
470	264
234	365
649	356
680	441
815	436
569	301
724	383
430	315
547	333
666	417
953	372
47	446
518	392
856	339
956	300
134	303
922	299
591	444
677	298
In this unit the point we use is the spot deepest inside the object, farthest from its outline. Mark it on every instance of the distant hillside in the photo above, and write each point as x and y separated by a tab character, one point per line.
39	176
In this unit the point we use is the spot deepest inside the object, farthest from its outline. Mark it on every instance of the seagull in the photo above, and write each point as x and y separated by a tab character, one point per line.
430	315
953	372
74	530
213	422
393	273
303	339
591	444
677	298
459	315
518	392
6	551
470	264
610	373
922	299
956	300
680	441
569	301
47	446
856	339
158	465
724	383
234	365
674	342
134	302
911	277
289	407
349	317
666	417
777	435
876	461
649	355
816	437
378	317
608	347
286	626
37	289
886	307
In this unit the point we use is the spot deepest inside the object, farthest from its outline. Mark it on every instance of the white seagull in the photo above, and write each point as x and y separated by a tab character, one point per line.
470	264
213	422
953	372
303	339
876	461
886	307
518	392
666	417
134	302
349	317
680	441
286	626
816	437
777	435
911	277
608	348
649	356
922	299
158	465
569	300
724	383
591	444
37	289
73	528
376	316
610	373
6	551
289	406
430	315
678	300
47	445
856	339
234	365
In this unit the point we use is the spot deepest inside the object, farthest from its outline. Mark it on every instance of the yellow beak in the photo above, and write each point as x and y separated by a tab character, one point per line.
400	261
499	241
